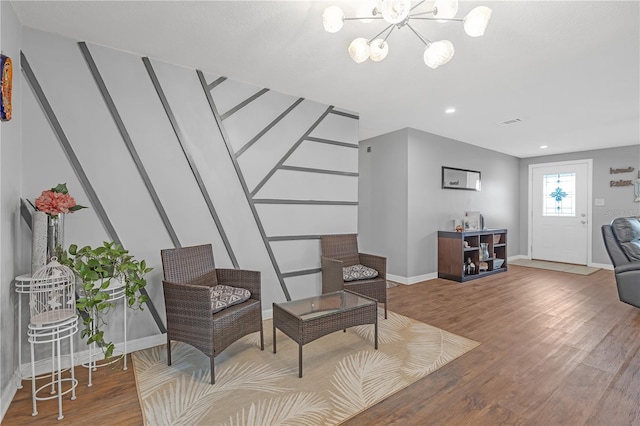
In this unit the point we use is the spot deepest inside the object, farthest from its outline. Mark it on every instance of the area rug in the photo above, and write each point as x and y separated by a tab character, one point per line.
342	375
555	266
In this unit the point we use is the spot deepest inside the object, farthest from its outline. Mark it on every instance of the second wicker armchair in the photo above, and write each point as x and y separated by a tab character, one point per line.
340	251
189	272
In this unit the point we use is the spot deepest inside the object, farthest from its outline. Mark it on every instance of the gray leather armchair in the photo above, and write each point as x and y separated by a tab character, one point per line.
622	241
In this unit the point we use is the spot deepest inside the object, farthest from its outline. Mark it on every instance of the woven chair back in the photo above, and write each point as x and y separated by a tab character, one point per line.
181	265
343	247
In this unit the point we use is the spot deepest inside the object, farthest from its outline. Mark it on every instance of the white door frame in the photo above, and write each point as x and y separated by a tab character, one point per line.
589	163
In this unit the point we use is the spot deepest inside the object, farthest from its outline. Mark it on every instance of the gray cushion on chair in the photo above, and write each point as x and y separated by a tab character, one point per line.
358	272
223	296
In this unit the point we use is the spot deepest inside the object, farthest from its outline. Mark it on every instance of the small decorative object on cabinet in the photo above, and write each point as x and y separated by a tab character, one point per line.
458	251
484	251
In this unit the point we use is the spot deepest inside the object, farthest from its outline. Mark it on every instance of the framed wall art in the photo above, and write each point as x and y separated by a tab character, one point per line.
453	178
6	70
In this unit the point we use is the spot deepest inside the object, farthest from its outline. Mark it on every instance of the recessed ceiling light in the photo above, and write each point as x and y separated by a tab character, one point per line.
450	110
543	146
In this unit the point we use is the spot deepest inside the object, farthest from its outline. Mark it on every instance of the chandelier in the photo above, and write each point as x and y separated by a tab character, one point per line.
399	14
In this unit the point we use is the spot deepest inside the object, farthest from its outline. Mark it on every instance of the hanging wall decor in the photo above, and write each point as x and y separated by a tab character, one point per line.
6	70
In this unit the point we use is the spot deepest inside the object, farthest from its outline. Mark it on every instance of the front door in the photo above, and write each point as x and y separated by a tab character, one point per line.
560	211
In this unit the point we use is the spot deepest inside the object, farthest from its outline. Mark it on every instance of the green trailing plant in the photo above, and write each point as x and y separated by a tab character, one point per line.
95	268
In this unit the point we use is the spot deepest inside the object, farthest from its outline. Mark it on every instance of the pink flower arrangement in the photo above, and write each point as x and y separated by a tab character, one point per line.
56	200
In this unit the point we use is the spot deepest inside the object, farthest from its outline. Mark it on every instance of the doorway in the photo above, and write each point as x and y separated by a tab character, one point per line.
560	211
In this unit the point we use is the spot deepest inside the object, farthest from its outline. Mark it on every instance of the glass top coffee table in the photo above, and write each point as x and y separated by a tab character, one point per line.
306	320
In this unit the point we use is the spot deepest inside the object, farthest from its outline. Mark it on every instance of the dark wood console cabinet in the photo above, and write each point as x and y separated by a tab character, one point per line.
453	254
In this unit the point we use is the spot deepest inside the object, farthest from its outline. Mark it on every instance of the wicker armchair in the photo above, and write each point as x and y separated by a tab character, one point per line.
188	307
340	251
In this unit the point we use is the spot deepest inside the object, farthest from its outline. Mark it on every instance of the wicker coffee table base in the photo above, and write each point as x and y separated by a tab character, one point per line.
305	330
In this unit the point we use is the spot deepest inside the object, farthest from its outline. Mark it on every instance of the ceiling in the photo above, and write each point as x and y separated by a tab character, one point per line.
568	70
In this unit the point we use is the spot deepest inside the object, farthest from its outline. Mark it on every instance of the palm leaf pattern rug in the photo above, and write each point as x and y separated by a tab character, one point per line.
343	375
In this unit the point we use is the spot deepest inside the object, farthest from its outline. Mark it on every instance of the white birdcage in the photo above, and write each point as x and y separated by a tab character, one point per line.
52	294
52	304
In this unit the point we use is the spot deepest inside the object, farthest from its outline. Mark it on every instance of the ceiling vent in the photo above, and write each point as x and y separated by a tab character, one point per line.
508	122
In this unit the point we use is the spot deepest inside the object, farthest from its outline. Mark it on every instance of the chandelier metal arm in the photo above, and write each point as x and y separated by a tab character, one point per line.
381	32
426	41
419	3
357	18
436	19
428	12
390	31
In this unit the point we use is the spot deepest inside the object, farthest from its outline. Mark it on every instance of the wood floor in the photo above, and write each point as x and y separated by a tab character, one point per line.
556	349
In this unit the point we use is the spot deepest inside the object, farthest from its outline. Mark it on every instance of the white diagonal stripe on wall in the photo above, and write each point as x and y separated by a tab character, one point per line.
265	154
255	116
109	167
321	156
268	127
241	180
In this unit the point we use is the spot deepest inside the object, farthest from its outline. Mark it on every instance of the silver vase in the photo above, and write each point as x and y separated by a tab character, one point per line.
38	241
55	236
47	239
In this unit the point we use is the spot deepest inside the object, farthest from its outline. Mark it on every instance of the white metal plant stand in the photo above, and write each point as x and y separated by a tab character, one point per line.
116	291
23	285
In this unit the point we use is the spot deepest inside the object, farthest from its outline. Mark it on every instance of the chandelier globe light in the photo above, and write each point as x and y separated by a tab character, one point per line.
476	21
378	50
438	53
399	14
359	50
333	19
445	9
395	11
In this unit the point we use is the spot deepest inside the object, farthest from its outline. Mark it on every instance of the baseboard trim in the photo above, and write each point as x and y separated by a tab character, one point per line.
82	357
606	266
412	280
8	392
518	257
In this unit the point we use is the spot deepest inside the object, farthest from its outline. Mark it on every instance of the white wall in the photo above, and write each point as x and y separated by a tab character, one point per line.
432	208
618	201
311	135
403	205
10	135
383	193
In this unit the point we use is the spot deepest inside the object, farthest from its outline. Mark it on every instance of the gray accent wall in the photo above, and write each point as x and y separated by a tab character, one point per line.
618	201
10	136
127	144
383	216
403	205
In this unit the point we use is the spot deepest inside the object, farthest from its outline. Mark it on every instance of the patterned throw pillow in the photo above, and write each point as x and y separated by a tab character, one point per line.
223	296
358	272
